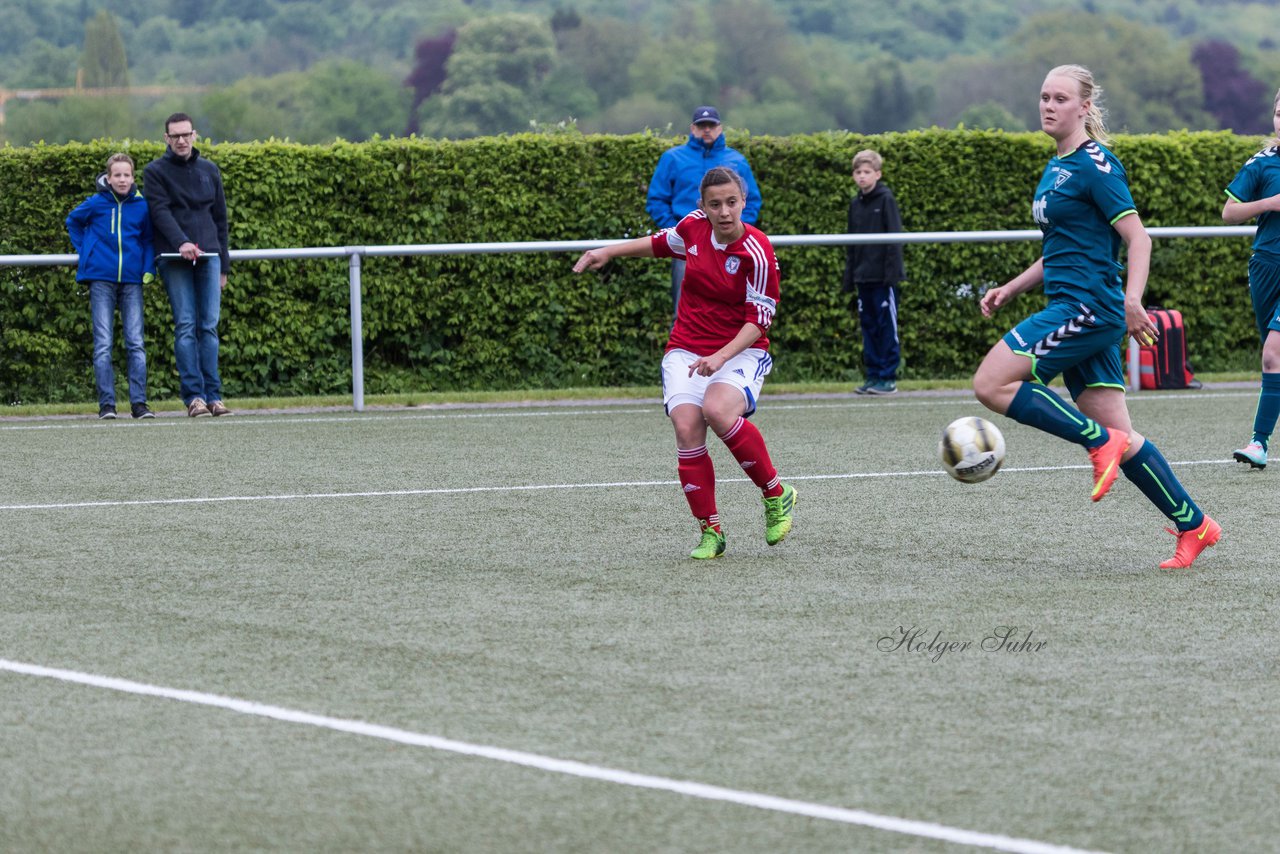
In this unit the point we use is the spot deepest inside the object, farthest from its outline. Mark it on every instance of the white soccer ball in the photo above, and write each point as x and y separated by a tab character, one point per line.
972	449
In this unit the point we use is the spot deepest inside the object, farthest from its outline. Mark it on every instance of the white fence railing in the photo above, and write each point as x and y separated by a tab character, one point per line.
354	254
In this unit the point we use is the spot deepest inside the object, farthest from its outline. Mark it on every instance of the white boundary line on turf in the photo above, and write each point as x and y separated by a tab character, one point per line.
910	827
538	487
639	408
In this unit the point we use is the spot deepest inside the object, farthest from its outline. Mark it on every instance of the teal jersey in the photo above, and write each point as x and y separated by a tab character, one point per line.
1080	198
1258	179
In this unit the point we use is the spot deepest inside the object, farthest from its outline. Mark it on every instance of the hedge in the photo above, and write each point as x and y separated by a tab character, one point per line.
525	320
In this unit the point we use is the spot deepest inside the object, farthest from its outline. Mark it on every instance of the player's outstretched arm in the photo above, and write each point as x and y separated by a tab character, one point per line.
1234	212
594	259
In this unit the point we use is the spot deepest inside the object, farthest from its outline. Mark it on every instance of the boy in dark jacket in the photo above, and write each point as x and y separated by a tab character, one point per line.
111	231
874	271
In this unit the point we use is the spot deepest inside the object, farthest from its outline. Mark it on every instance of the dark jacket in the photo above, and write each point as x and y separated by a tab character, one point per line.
874	212
112	235
187	204
674	189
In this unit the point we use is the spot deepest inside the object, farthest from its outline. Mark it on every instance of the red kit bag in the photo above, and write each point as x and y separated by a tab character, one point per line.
1163	364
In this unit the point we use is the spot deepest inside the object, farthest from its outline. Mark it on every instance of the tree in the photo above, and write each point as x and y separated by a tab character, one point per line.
428	74
603	50
990	116
103	62
45	66
1232	95
333	100
753	45
1149	82
493	77
891	103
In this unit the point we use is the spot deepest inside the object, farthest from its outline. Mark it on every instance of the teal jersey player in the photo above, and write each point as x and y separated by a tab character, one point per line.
1255	192
1257	179
1084	207
1080	198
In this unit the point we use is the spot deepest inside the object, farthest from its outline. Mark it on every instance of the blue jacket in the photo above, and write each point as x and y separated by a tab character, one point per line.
113	236
673	190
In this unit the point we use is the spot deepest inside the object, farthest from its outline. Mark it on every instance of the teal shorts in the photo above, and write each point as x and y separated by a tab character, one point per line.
1264	289
1070	339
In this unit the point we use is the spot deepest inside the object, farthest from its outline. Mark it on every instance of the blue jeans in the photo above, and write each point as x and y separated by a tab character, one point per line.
195	296
104	299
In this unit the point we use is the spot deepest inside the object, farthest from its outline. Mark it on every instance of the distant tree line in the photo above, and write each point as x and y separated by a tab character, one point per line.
316	70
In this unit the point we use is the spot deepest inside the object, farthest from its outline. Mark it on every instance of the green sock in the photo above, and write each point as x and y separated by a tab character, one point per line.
1036	406
1264	420
1150	472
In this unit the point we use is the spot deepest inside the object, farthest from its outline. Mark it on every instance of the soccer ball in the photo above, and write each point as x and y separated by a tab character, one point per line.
972	449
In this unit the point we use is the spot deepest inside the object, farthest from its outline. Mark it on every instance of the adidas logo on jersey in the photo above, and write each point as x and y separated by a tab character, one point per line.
693	250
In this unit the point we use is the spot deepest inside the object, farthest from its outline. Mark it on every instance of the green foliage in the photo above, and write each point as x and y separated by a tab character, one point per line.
103	62
1150	82
333	100
512	321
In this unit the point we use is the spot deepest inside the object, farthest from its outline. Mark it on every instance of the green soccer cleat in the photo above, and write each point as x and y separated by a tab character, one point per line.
777	515
710	546
1253	454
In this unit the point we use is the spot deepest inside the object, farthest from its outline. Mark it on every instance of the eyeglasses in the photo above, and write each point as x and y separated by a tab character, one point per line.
706	125
181	136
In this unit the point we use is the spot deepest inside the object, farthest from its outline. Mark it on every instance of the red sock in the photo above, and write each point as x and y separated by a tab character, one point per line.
746	444
698	478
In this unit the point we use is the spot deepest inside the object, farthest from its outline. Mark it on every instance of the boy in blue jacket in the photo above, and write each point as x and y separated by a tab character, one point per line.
111	231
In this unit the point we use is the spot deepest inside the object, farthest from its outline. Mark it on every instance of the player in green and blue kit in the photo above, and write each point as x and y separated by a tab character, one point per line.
1255	191
1085	210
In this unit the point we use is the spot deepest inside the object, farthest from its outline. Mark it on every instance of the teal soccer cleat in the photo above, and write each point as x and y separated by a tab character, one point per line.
1253	454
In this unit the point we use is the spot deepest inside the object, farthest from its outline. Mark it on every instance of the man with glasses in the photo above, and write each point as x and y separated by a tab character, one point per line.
189	218
674	188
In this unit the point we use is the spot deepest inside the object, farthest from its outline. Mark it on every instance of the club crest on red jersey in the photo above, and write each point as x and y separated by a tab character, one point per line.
731	264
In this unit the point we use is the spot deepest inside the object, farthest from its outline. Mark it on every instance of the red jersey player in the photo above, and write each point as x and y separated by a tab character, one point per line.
718	354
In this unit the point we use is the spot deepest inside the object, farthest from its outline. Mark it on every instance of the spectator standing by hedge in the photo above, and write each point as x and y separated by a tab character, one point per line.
718	353
189	216
111	232
873	271
674	188
1255	192
1085	210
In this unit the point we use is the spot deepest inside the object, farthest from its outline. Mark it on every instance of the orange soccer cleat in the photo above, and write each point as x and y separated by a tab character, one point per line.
1106	462
1191	543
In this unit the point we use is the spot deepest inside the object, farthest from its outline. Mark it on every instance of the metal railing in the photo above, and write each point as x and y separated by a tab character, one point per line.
354	254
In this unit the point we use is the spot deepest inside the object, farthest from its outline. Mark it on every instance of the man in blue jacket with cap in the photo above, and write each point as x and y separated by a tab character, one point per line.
673	190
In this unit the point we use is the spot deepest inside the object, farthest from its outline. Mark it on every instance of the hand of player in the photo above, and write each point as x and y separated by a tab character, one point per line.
1140	325
592	259
993	300
707	365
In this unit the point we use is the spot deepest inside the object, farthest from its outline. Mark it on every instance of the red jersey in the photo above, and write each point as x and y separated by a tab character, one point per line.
724	286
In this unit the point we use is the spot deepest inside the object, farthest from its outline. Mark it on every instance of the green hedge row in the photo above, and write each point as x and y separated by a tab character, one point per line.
525	320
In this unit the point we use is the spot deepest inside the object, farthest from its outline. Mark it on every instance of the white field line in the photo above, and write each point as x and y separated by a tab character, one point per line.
551	764
537	487
652	408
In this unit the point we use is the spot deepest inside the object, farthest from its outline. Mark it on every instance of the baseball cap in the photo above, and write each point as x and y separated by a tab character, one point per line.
706	114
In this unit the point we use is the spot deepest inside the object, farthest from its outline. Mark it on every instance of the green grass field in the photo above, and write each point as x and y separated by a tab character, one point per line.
515	577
